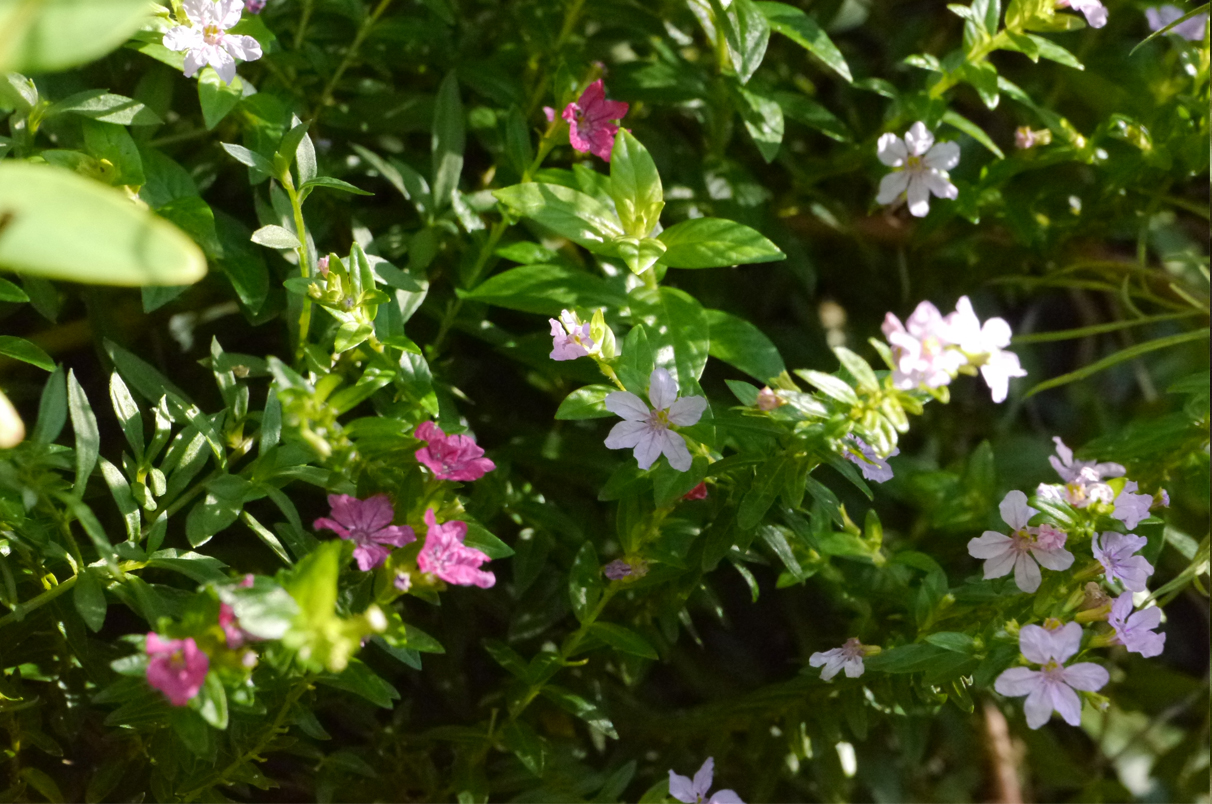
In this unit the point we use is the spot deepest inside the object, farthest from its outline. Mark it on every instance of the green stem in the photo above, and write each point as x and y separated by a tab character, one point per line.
305	267
978	54
19	613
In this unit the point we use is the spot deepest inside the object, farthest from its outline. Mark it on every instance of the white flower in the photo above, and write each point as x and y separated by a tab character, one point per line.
205	39
918	168
648	430
1023	547
849	657
1094	11
922	348
1052	687
984	345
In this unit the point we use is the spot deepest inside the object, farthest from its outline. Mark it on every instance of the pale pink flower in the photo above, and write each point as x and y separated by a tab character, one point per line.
1130	507
177	667
1115	552
922	349
403	581
1070	470
445	555
849	657
870	463
1024	137
1136	631
698	790
592	121
984	345
570	337
1022	548
1162	499
1160	17
368	524
1052	687
647	430
1094	11
768	400
919	168
205	39
451	457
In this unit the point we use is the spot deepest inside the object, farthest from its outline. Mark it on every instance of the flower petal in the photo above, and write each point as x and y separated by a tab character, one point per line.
687	411
1026	573
1001	565
1038	706
674	447
662	389
1015	511
1017	681
990	545
627	405
1087	676
626	435
891	187
1066	702
891	150
649	447
702	779
1036	644
681	788
943	156
918	139
918	195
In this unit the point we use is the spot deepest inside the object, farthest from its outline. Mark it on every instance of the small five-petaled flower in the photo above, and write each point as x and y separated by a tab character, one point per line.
698	790
647	429
1053	686
1023	548
593	121
367	523
177	668
919	168
205	39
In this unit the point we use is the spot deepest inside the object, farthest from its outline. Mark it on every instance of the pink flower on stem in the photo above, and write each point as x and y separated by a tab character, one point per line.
1052	687
368	524
177	668
768	400
1136	631
698	790
445	555
922	352
1115	552
1023	548
984	345
647	430
451	457
848	657
1130	507
570	337
592	121
870	464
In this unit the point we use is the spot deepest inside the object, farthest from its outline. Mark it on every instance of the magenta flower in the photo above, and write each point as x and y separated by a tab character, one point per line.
848	657
1191	30
1094	11
1053	686
647	431
919	168
1135	631
1130	507
445	555
592	121
921	349
368	524
870	464
451	457
1115	552
570	337
984	345
696	791
1023	548
177	668
235	635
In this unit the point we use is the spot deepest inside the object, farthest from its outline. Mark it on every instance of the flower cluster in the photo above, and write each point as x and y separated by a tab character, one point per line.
204	37
929	350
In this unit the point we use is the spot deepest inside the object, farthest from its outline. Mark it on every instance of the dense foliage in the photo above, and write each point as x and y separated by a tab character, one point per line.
524	398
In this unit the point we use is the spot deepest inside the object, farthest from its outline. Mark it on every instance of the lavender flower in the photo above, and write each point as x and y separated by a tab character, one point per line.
1022	549
696	791
1115	552
1052	687
1161	16
1094	11
870	463
368	524
849	657
1071	470
570	337
1130	507
1135	631
647	430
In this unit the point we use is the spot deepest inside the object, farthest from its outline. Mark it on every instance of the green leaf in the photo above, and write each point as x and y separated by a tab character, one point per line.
1195	12
715	243
624	639
23	350
685	327
243	265
485	541
1119	357
65	226
217	98
830	386
97	104
88	520
507	657
249	157
743	346
89	599
763	120
52	409
448	141
88	439
278	237
585	582
361	680
212	702
119	487
11	293
761	495
983	77
586	403
746	32
332	184
797	26
47	787
526	745
635	185
636	364
52	35
148	382
858	368
114	143
972	130
569	213
803	109
1054	52
576	705
305	160
546	289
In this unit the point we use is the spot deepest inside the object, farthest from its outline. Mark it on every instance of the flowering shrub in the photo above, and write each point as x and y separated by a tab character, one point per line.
335	517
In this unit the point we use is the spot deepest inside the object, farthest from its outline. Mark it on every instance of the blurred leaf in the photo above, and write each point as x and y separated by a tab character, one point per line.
89	599
586	403
624	639
635	186
23	350
448	141
53	35
585	582
1119	357
569	213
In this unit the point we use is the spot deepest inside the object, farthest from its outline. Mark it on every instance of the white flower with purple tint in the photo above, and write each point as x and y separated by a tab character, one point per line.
698	790
570	337
1053	686
647	430
1136	631
1025	549
1093	10
1130	507
1071	470
1161	16
205	40
848	658
922	349
1115	551
919	168
870	463
985	346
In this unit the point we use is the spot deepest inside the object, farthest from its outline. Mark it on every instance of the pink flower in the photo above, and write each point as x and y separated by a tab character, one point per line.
570	337
1094	11
451	457
227	621
871	464
699	492
445	555
696	791
1053	686
368	524
591	121
1130	507
768	400
1115	552
254	6
177	668
403	581
848	657
984	346
1023	548
921	349
647	431
1135	632
919	168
